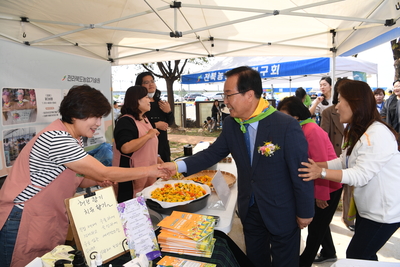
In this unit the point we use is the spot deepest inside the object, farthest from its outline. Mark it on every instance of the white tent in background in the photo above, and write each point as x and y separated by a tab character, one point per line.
130	32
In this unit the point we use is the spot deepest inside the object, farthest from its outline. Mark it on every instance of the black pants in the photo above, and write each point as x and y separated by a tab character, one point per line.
368	238
265	249
319	232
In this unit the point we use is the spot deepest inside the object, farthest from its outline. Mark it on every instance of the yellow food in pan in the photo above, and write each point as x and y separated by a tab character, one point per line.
204	179
178	192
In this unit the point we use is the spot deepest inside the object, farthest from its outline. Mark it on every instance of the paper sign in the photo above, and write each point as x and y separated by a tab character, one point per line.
138	228
97	224
221	187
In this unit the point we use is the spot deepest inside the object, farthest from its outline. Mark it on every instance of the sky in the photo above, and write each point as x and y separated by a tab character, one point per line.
123	76
383	56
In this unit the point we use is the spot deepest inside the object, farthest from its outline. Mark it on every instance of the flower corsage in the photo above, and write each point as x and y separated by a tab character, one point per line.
268	149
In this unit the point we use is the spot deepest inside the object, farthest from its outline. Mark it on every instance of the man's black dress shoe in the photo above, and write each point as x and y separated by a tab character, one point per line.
321	259
351	227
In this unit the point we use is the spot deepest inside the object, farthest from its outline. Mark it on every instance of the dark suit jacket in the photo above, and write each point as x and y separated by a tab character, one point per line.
280	194
330	122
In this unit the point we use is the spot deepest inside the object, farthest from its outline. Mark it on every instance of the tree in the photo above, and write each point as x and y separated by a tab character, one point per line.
396	57
171	71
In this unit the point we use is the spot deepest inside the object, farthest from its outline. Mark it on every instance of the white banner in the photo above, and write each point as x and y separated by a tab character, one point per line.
33	82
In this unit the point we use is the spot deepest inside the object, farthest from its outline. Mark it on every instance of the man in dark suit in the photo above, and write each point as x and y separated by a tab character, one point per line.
273	203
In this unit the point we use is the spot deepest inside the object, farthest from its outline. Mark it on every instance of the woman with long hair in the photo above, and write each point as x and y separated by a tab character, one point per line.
135	141
326	193
160	114
370	161
330	122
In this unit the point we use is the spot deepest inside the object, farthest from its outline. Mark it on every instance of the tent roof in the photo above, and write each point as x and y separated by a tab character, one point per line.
129	32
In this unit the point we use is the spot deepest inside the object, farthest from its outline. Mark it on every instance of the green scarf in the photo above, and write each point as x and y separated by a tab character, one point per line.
307	121
267	110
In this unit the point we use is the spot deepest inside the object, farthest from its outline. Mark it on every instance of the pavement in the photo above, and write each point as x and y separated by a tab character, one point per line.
189	139
390	252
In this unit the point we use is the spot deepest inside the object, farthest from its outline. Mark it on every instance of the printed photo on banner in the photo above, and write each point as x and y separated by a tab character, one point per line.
14	140
18	106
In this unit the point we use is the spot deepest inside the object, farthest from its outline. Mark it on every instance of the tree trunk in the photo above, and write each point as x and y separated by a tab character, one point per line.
396	57
171	98
170	73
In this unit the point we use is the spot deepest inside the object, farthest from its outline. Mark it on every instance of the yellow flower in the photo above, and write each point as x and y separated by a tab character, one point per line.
268	149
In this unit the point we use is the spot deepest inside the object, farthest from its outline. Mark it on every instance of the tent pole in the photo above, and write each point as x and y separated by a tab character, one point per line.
333	62
333	68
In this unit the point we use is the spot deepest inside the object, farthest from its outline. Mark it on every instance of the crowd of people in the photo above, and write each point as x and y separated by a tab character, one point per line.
218	113
370	163
292	170
346	154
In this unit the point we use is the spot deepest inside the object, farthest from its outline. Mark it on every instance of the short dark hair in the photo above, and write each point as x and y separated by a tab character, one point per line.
300	93
295	107
335	91
377	91
131	102
248	79
396	81
82	102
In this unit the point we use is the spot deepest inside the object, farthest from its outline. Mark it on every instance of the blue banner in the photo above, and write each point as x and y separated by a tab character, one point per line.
281	69
285	89
360	76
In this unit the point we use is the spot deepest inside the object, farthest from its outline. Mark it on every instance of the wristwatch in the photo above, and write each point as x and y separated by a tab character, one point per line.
323	173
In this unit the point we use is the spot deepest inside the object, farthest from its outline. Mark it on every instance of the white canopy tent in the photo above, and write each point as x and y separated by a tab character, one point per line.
140	31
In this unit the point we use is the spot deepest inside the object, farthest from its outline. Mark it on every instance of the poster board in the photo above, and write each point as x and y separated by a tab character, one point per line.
96	224
33	83
138	228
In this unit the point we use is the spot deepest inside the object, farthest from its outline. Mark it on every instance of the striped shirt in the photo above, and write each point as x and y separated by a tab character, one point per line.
50	152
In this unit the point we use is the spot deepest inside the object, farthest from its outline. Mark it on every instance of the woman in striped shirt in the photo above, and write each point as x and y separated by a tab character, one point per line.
49	169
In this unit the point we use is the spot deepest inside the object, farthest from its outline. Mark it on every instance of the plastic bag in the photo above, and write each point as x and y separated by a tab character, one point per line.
103	153
58	253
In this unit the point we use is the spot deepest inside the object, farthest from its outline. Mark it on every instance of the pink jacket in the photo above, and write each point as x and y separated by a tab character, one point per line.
320	149
44	222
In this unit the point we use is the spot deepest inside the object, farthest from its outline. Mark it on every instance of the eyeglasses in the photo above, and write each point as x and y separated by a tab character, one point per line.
224	96
148	82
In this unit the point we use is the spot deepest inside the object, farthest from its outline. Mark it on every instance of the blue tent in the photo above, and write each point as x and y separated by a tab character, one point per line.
285	89
271	68
383	38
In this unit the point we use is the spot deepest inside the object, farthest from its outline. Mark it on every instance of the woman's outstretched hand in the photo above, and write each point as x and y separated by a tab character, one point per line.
311	172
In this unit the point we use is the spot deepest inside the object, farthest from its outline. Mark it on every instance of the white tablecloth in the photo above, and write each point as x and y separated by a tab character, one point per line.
226	215
363	263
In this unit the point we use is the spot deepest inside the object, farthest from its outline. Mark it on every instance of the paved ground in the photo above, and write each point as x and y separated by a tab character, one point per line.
341	235
188	139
